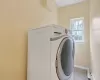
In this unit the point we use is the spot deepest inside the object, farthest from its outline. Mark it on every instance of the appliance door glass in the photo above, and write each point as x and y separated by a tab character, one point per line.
65	58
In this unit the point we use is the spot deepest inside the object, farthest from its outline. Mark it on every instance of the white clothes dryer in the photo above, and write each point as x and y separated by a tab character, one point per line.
50	54
62	58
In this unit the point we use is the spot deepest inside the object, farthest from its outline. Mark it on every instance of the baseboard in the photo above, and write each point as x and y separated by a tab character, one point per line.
92	77
81	67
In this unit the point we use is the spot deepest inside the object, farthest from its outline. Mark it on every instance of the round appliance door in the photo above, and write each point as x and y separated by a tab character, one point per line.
65	59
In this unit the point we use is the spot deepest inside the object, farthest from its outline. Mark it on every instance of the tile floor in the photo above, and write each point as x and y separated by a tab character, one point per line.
80	74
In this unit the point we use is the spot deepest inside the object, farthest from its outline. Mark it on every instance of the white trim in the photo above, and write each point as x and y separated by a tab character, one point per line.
77	18
81	67
92	78
79	41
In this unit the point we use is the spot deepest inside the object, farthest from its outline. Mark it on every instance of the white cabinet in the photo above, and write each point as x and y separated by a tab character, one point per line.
39	54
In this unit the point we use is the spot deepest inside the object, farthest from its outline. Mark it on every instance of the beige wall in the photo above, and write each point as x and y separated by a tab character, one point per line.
95	38
16	17
82	55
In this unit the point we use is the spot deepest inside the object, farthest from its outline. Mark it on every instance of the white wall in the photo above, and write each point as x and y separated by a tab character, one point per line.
95	38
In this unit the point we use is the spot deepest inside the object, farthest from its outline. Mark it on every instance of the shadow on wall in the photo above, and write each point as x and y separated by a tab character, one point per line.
43	3
46	4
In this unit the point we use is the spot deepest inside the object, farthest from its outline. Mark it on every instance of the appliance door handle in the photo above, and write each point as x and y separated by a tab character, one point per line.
56	38
58	33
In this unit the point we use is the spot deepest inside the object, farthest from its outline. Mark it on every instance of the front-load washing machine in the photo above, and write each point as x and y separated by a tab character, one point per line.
50	54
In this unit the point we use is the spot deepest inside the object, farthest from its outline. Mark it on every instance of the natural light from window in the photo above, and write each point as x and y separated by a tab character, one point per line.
77	29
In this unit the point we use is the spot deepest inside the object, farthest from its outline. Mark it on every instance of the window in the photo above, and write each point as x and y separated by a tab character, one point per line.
77	29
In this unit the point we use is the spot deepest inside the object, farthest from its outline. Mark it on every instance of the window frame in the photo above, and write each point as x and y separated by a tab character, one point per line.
75	19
